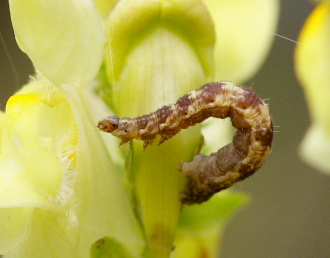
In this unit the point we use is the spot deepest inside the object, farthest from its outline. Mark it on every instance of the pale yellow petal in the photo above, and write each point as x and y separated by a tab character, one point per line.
187	18
2	121
105	209
244	33
105	6
312	66
63	38
15	227
315	148
313	63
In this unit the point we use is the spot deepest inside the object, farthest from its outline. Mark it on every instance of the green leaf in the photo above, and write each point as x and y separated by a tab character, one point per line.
214	213
201	226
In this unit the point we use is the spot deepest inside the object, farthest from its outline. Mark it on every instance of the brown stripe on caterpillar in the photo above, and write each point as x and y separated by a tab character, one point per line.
207	174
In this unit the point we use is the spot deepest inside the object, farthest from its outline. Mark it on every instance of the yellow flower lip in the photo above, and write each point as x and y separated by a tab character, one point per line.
38	148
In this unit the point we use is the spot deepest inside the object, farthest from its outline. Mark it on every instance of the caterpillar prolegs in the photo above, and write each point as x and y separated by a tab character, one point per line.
207	174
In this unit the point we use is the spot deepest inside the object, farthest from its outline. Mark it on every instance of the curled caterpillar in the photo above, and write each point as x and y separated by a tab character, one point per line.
207	174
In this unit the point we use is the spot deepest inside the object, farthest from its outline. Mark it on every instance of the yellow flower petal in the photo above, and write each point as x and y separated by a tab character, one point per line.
182	18
105	6
244	31
63	38
2	121
53	161
313	63
312	66
105	209
39	171
15	227
315	148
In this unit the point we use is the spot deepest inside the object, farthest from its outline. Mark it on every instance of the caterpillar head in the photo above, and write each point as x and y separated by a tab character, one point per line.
109	124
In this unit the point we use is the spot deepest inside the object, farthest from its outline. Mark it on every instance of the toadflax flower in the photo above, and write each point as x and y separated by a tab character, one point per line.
158	51
59	191
61	195
312	59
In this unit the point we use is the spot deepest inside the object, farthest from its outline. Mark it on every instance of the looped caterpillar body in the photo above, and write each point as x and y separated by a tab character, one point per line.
207	174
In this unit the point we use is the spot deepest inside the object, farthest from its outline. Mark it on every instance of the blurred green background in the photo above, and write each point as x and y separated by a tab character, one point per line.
289	215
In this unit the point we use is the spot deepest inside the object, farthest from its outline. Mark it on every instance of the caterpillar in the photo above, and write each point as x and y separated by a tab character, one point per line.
234	162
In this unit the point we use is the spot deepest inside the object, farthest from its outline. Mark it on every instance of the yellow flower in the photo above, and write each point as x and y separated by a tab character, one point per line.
158	51
312	66
59	191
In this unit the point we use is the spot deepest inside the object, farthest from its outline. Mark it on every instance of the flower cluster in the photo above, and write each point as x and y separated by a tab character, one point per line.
64	192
